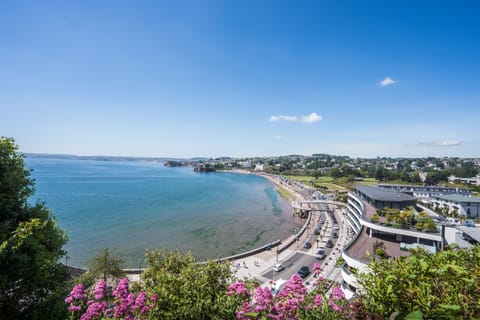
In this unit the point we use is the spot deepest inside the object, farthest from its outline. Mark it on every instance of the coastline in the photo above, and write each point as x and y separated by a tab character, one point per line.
295	196
278	226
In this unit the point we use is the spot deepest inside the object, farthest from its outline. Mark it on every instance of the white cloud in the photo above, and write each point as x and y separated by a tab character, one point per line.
311	118
386	82
284	118
277	137
444	143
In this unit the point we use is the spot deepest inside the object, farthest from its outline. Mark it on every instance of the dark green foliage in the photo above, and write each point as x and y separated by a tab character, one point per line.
445	285
31	279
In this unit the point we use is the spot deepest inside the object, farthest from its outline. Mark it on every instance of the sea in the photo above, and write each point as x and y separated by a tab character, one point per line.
131	206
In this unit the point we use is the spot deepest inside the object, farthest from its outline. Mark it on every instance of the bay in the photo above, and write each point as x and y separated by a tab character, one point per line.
133	206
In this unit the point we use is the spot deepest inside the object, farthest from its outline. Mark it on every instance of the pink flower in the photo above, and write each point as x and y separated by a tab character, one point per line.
140	301
238	288
122	289
154	298
100	290
318	299
78	292
262	299
334	306
246	308
294	286
74	308
337	293
317	268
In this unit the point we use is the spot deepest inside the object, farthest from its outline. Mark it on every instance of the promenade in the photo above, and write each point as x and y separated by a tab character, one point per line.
259	266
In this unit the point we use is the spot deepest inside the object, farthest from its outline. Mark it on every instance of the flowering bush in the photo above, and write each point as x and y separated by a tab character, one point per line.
293	302
122	304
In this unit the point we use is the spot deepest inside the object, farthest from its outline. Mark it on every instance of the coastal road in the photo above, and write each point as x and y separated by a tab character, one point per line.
292	265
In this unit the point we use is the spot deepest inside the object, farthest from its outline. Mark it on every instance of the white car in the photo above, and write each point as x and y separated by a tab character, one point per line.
335	227
278	267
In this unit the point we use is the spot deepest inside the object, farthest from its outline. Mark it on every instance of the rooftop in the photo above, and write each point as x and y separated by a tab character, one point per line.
379	194
458	198
473	233
362	248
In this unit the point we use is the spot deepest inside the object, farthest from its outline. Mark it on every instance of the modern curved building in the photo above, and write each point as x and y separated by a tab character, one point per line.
363	203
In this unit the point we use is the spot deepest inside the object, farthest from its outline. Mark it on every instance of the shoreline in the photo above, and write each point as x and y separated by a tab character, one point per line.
285	214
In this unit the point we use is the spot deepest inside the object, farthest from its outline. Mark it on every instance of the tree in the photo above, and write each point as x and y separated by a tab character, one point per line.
105	266
185	289
444	285
31	277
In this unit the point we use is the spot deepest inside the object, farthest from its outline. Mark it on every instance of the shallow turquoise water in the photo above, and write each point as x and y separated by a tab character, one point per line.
134	206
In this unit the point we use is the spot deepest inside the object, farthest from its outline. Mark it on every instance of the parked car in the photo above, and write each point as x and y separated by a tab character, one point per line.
329	244
304	271
335	227
335	234
321	254
278	267
316	231
307	245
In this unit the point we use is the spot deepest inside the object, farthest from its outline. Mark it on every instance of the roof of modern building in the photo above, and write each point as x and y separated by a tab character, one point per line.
420	187
473	233
458	198
380	194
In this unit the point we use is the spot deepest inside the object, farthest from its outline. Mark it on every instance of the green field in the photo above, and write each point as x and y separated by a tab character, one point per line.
284	193
310	178
332	184
321	182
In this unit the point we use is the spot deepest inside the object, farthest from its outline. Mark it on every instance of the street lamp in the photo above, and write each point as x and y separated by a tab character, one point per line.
140	270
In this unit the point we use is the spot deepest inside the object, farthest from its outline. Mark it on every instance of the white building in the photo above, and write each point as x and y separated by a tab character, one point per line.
465	206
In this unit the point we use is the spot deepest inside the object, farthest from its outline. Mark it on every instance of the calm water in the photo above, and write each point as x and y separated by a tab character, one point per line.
133	206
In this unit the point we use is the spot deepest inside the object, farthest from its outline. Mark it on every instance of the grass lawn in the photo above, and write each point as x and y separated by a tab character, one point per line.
321	182
284	193
332	186
310	178
366	182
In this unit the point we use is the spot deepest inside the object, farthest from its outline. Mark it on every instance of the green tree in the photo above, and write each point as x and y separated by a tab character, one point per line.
105	266
31	277
187	290
445	285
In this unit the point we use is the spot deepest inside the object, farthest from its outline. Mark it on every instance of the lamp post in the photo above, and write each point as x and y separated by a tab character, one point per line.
140	271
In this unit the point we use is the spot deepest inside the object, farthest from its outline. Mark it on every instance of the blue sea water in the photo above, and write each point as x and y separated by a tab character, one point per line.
134	206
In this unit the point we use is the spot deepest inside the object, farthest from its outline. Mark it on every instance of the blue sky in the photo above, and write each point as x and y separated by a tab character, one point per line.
241	78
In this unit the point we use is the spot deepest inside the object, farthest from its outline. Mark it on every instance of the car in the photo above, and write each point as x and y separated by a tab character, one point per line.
321	254
329	244
277	287
307	245
335	227
316	232
304	271
335	234
278	267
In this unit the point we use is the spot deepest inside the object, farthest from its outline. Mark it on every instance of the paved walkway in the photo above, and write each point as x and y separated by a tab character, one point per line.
254	266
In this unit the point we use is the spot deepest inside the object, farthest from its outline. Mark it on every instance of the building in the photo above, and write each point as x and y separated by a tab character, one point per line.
425	191
378	240
380	198
465	206
474	180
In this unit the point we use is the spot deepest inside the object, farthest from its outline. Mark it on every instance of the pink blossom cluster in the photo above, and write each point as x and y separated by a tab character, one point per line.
293	302
123	304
